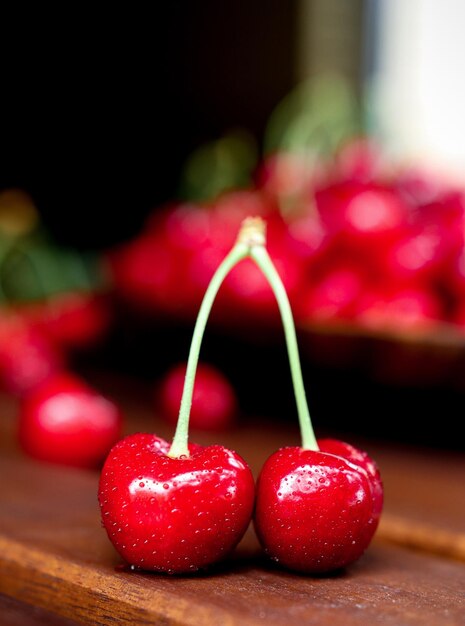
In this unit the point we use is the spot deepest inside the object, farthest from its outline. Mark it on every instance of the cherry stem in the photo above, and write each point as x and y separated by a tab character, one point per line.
250	243
179	446
261	257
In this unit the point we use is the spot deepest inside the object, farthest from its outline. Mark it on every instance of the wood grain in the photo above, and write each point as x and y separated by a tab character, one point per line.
422	536
16	613
388	586
54	555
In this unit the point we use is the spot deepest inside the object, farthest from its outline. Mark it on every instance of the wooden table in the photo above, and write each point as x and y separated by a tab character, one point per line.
57	566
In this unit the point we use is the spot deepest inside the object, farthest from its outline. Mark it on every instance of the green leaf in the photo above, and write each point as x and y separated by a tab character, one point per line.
316	117
35	269
219	166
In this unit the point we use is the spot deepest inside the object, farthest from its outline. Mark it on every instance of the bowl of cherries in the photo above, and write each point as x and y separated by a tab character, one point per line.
366	250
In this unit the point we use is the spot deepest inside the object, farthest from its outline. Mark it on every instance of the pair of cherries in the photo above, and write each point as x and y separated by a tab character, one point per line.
179	508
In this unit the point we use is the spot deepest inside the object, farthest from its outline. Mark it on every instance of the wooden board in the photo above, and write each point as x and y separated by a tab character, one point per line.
16	613
54	554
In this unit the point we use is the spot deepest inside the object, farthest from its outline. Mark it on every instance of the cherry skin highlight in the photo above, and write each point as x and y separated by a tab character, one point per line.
361	458
174	515
317	511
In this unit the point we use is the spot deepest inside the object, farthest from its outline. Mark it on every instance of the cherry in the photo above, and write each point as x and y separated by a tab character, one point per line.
317	506
73	320
333	296
246	289
143	273
417	255
315	511
454	274
178	508
186	227
65	421
27	356
408	309
360	210
214	402
306	237
363	219
184	245
174	515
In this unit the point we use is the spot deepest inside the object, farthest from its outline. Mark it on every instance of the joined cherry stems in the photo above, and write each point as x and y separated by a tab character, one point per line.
250	243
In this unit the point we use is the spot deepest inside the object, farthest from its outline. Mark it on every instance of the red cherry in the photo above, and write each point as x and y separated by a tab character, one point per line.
186	226
74	320
27	356
247	290
146	274
413	308
364	218
316	511
199	271
174	515
199	238
417	255
65	421
333	296
306	238
214	402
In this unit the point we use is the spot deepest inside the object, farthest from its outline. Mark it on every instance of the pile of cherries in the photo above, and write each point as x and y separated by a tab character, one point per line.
62	419
37	339
357	242
51	307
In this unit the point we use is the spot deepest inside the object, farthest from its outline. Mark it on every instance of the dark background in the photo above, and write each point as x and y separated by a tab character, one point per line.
98	111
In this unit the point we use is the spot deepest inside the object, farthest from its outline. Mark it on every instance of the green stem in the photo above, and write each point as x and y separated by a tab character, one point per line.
179	447
250	243
261	257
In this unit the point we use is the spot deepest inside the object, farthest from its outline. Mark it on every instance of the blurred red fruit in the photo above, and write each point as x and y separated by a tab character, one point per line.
412	309
145	273
364	217
418	255
333	297
27	356
65	421
74	320
214	403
